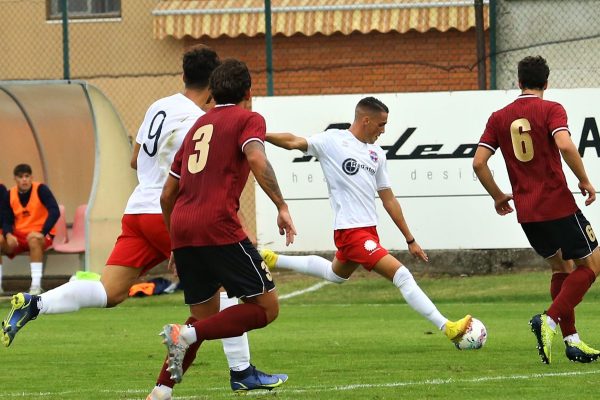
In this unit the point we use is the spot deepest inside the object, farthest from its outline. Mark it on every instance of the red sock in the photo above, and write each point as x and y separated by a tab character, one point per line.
571	293
164	378
231	322
567	322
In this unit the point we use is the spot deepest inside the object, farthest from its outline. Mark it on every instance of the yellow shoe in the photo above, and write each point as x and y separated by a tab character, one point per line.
544	335
270	257
455	330
581	352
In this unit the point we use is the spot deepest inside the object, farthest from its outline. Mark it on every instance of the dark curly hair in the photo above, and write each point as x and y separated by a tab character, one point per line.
533	72
198	64
230	82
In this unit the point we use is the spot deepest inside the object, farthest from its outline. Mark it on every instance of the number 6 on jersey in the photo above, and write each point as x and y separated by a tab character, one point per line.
202	136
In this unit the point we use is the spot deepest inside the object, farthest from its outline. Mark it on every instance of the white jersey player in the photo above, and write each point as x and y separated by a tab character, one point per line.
355	171
144	241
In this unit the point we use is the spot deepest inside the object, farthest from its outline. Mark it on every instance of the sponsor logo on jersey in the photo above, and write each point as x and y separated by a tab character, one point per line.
350	166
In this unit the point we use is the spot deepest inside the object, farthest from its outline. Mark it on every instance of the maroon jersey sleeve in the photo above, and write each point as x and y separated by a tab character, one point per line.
489	139
255	128
557	118
176	166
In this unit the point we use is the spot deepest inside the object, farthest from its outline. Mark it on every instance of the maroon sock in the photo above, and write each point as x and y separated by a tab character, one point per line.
231	322
571	293
164	378
567	322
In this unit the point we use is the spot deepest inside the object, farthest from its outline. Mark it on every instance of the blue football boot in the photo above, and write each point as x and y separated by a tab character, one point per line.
252	379
24	309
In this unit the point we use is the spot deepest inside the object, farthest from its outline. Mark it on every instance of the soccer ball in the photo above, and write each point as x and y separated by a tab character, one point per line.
474	338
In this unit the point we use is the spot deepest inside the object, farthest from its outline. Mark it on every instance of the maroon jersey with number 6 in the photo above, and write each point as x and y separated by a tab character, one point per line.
212	171
524	130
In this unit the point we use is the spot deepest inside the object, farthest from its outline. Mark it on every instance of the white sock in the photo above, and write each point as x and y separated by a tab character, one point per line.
161	392
416	298
310	265
574	338
72	296
0	276
36	274
551	322
188	333
236	349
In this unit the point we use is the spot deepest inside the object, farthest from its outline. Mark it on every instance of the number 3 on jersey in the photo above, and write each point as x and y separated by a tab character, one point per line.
197	160
520	133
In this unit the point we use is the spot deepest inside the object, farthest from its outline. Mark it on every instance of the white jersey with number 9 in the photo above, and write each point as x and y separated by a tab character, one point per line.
166	123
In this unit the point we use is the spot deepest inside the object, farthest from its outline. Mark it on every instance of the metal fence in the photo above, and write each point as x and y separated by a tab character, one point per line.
131	49
565	32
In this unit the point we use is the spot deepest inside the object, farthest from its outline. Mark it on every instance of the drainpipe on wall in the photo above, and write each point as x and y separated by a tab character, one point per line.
481	67
493	45
269	47
65	37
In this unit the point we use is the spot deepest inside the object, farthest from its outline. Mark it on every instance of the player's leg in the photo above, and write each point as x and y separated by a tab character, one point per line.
2	246
36	246
25	306
575	349
1	288
164	383
308	265
560	271
392	269
578	242
572	292
242	271
131	249
143	244
131	256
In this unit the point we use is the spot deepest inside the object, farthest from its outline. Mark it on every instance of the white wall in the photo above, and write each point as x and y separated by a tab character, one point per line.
445	206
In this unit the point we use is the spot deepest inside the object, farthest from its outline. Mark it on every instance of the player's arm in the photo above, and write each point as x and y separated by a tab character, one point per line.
167	199
49	201
393	208
287	141
571	156
484	174
265	176
134	155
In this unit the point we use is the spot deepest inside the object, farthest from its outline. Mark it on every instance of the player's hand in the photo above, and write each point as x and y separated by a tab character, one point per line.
11	241
171	266
502	204
416	251
588	190
35	235
286	226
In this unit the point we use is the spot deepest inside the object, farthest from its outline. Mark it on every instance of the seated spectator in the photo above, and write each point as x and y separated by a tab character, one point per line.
30	213
3	200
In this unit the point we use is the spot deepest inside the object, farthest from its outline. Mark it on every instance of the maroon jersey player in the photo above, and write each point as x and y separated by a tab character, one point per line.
200	201
533	134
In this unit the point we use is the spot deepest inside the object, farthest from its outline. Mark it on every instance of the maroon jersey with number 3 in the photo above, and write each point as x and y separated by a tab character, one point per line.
212	171
524	130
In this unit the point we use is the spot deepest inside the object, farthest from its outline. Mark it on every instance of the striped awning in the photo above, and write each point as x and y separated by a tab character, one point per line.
214	18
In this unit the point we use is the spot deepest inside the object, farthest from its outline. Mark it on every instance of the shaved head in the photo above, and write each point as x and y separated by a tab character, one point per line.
369	105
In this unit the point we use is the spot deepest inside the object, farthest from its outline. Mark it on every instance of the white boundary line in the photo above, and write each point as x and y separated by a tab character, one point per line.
323	388
312	288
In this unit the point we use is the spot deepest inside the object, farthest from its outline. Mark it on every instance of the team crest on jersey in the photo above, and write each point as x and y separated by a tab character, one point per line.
373	156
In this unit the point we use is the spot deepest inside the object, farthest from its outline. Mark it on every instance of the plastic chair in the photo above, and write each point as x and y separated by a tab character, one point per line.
76	241
61	228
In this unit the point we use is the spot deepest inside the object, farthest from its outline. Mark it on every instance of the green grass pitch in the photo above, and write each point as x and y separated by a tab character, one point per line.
356	341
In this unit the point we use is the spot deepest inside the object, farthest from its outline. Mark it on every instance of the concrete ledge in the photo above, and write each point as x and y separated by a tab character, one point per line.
21	283
464	262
